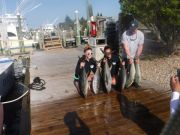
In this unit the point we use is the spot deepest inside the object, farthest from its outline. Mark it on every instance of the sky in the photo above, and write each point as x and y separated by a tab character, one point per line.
52	9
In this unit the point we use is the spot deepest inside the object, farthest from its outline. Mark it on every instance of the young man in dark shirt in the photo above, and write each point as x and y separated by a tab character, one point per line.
113	62
89	63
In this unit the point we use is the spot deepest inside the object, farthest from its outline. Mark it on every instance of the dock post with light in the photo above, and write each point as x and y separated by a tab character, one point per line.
78	36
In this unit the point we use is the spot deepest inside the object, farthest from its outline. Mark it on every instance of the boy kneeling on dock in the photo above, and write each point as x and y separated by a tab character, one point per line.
87	62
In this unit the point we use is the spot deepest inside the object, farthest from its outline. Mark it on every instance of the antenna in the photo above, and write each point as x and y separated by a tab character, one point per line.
3	7
23	4
28	7
19	6
32	9
55	20
89	9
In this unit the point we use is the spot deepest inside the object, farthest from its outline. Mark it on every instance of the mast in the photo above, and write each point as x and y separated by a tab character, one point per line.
4	35
89	9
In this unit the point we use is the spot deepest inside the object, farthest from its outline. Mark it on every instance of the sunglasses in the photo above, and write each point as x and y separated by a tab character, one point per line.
89	53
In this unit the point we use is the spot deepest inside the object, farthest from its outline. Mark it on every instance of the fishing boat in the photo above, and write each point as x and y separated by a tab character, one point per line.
6	76
9	33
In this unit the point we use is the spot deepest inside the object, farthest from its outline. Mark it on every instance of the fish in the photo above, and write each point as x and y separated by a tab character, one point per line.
122	78
107	77
96	84
131	75
84	84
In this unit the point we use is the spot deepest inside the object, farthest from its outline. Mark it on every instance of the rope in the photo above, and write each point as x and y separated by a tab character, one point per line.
15	100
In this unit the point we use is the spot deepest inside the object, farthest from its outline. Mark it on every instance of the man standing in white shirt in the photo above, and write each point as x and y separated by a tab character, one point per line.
132	40
175	97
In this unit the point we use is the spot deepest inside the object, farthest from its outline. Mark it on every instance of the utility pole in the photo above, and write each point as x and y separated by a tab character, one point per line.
78	36
19	33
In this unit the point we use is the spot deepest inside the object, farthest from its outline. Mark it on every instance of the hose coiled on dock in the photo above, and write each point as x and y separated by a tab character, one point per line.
18	98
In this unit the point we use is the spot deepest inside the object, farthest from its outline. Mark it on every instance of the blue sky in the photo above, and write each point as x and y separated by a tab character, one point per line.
52	9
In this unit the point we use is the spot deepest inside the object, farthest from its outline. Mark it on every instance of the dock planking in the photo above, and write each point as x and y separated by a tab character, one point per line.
131	112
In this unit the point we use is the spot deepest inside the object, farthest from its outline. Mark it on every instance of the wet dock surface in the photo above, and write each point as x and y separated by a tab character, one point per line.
132	112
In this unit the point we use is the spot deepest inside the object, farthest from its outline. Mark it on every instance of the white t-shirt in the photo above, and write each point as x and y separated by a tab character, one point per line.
174	102
133	41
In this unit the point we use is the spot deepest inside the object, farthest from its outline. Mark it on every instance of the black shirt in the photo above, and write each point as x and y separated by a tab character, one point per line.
89	66
114	64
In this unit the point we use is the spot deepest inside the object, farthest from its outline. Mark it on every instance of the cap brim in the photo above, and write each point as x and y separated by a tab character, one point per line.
133	27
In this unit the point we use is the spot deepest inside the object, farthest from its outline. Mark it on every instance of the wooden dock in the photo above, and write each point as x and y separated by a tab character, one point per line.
133	112
59	110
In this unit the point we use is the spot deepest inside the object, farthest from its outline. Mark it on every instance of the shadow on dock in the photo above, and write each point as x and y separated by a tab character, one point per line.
75	124
139	114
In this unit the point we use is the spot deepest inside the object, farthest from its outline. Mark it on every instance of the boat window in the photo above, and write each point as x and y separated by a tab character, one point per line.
10	34
101	41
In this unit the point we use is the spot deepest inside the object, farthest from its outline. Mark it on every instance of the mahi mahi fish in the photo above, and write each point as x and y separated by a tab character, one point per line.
84	84
96	81
107	77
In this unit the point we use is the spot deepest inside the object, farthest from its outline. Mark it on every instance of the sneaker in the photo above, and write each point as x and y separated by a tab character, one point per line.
136	85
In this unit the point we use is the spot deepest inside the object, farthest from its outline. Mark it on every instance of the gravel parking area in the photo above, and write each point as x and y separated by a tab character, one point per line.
159	70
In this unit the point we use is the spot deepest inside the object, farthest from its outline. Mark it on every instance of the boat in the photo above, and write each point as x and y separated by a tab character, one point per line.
9	33
6	76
